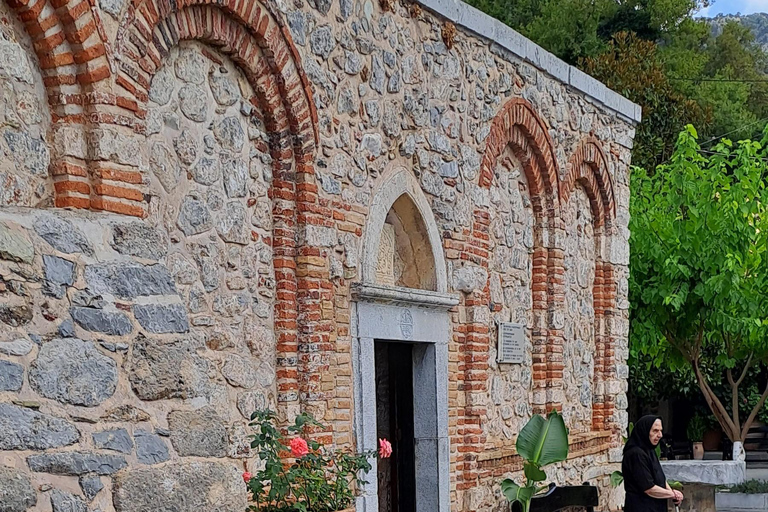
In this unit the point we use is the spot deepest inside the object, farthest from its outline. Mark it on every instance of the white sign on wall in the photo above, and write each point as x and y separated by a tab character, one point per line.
511	345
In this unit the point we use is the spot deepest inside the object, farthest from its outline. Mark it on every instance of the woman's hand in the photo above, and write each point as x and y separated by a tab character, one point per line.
678	497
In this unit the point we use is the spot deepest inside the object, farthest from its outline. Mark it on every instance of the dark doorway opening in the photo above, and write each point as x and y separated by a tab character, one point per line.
394	421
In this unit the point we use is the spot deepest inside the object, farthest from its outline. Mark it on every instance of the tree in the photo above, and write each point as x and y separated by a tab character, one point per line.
699	268
633	67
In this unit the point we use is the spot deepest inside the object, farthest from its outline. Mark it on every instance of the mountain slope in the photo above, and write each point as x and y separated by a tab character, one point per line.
757	22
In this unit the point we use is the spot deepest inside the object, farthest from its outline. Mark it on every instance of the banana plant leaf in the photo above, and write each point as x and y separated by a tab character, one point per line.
543	441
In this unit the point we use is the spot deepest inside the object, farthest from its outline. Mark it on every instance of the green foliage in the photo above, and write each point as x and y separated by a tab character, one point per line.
751	487
697	427
699	274
541	442
320	481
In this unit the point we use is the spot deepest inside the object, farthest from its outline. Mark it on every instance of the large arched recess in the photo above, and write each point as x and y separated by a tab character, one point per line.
519	127
588	168
260	44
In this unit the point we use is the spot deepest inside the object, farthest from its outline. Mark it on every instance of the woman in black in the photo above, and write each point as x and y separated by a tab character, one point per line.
644	480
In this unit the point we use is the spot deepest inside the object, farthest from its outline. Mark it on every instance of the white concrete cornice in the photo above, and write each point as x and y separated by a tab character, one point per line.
505	39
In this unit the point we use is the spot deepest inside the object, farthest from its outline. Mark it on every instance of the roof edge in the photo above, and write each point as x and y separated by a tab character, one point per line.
505	39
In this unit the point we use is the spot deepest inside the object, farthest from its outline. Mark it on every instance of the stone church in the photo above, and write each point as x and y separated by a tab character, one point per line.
402	217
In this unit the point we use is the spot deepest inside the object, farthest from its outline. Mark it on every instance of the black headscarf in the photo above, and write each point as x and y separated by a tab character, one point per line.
642	470
641	434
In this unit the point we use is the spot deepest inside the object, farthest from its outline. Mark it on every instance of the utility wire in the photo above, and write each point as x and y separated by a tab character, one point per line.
740	128
734	80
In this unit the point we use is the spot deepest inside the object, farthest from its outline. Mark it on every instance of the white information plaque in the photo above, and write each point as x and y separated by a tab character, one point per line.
511	346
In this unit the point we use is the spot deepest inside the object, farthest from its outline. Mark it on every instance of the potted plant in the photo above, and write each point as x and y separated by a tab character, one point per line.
318	480
541	442
697	427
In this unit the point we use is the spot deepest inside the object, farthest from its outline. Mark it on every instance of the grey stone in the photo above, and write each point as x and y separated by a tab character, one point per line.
162	318
194	217
26	429
186	147
67	329
62	235
17	347
710	472
199	433
181	487
150	448
193	103
114	323
377	74
235	175
58	273
395	83
449	169
251	401
231	224
167	371
162	86
30	154
225	90
207	171
165	166
239	371
348	102
322	42
345	8
11	376
392	118
373	112
138	239
207	257
16	491
353	64
117	440
91	486
76	463
73	371
62	501
15	245
113	7
128	281
229	132
323	6
329	184
191	66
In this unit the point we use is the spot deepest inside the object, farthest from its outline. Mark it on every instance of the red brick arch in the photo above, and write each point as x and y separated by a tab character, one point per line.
70	44
589	167
260	44
249	34
519	126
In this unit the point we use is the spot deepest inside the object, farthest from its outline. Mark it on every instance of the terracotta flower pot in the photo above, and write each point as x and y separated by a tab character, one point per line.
698	451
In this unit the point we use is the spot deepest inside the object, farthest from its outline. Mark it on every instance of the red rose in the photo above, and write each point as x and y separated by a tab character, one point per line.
299	447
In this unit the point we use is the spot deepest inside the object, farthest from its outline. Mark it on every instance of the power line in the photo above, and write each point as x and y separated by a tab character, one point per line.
729	80
740	128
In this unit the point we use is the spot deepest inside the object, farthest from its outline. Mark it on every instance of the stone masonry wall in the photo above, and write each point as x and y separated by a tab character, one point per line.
185	194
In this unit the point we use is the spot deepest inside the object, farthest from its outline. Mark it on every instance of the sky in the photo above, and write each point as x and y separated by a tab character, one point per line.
734	6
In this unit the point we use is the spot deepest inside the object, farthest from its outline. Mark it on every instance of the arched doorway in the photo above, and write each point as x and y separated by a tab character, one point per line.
401	330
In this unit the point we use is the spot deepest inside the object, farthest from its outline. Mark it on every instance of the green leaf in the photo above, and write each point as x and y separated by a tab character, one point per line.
514	492
617	478
533	473
543	441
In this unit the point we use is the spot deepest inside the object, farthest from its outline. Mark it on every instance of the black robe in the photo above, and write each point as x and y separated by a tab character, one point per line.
642	470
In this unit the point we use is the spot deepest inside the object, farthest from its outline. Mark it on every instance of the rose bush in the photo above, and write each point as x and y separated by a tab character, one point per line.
318	480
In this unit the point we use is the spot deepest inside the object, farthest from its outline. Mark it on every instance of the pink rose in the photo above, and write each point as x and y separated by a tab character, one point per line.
247	477
385	449
299	447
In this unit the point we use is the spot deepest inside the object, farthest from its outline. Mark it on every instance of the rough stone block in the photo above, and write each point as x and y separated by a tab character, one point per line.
11	376
180	487
62	235
16	491
73	371
140	240
199	433
114	323
150	448
15	245
128	281
91	486
117	440
26	429
167	371
76	463
62	501
161	318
